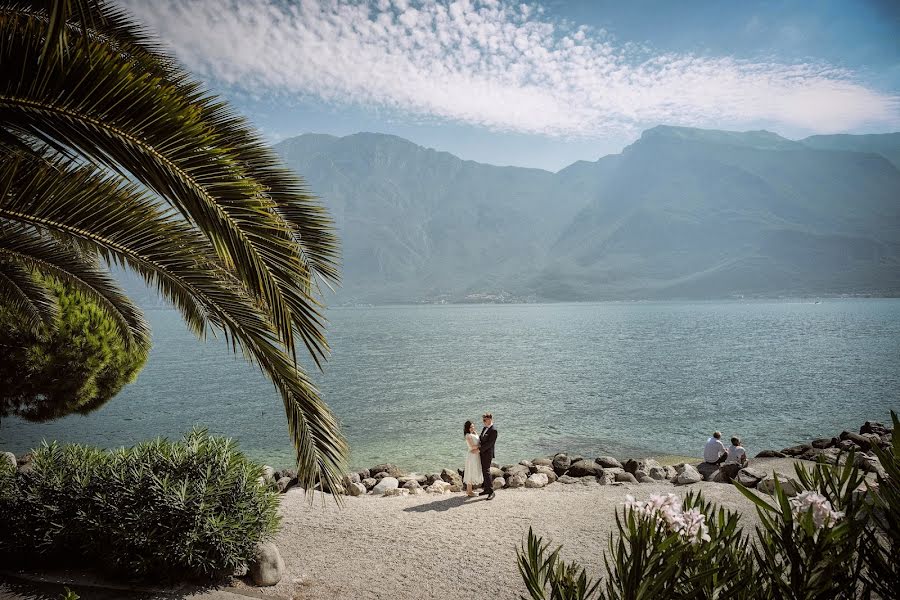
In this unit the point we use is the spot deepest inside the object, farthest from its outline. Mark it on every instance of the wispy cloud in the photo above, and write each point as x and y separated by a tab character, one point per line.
502	66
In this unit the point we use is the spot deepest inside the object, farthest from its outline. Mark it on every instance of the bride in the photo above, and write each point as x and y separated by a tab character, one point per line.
472	475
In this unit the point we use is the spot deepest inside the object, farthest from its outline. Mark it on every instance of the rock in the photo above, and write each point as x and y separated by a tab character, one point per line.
576	458
499	483
767	484
432	478
526	463
386	483
561	463
626	477
495	464
412	484
887	440
641	464
796	450
517	480
542	462
536	480
292	473
356	489
566	479
267	566
658	473
874	427
771	454
720	476
550	473
395	492
671	473
520	470
269	473
868	463
829	456
283	484
438	487
749	477
495	472
420	479
27	467
391	469
364	474
823	443
416	492
810	454
688	475
727	472
350	478
707	470
583	468
259	480
8	458
848	446
456	487
608	461
646	479
241	570
865	443
369	482
451	477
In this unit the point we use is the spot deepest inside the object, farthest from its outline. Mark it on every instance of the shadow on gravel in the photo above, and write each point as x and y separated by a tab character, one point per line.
444	505
15	588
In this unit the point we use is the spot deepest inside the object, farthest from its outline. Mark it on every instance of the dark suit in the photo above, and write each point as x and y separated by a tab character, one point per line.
487	439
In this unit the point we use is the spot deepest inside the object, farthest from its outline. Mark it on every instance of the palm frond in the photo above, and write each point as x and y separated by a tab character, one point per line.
29	300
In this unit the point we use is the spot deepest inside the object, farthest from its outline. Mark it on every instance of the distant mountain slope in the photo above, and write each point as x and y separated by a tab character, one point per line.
680	213
885	144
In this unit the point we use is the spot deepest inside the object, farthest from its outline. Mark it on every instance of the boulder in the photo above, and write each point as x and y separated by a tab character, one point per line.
526	463
438	487
496	472
364	474
395	492
848	446
516	480
432	478
561	463
420	479
767	484
874	427
608	461
796	450
416	492
646	479
536	480
887	440
687	475
542	462
451	477
456	487
720	476
829	456
499	483
356	489
862	441
626	477
576	457
867	463
550	473
658	473
267	566
283	484
671	473
8	458
810	454
369	482
727	472
391	469
520	470
707	470
771	454
749	477
412	484
268	473
568	480
292	473
641	464
583	468
350	478
386	483
823	443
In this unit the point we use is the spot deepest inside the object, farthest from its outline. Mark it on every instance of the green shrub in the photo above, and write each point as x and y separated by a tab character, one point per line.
829	541
189	508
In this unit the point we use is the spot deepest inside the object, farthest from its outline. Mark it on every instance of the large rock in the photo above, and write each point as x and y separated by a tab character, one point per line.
516	480
608	461
396	492
550	473
369	482
687	475
350	478
432	478
706	470
536	480
796	450
658	473
566	479
411	484
561	463
391	470
356	489
499	483
874	427
267	566
283	484
767	484
641	464
8	458
771	454
749	477
520	470
823	443
420	479
451	477
864	442
542	462
583	468
526	463
386	483
364	474
268	473
626	477
868	463
496	472
438	487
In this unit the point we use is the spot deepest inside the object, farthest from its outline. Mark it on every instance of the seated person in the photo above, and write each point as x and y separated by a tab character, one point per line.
735	459
714	452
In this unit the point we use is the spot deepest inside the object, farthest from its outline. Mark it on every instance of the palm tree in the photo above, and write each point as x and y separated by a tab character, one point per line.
113	155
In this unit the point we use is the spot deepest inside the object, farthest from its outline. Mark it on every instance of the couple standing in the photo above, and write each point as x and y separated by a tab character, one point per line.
481	453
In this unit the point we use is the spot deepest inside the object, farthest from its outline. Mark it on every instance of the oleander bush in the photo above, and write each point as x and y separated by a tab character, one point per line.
191	508
839	537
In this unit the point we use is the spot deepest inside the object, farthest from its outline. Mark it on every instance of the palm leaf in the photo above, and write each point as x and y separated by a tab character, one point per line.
29	300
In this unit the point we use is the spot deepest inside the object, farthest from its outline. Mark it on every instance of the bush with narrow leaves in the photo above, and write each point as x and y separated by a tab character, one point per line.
838	538
194	507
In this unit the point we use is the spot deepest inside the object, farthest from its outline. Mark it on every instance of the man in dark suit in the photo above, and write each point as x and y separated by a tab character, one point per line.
487	440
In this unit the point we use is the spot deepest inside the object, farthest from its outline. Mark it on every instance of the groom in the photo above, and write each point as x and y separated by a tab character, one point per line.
487	440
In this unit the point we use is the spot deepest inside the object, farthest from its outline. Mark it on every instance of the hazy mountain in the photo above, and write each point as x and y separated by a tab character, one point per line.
680	213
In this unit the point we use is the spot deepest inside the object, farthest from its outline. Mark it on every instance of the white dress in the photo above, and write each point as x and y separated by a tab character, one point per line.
472	474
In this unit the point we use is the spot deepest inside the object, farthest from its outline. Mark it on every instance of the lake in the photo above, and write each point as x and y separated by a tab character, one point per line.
624	379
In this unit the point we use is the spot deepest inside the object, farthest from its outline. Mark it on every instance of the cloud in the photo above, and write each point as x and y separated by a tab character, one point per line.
506	67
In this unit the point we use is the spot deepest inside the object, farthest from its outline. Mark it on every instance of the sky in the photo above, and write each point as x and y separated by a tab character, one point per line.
540	84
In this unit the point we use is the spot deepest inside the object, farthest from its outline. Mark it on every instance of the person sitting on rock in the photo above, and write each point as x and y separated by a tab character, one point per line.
714	452
735	459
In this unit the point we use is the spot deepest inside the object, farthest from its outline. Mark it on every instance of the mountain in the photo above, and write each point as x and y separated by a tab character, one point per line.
680	213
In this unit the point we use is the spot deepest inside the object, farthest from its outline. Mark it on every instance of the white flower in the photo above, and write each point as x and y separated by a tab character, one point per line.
667	510
823	514
691	524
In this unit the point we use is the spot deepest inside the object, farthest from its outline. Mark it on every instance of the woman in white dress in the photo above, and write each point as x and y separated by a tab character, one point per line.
472	474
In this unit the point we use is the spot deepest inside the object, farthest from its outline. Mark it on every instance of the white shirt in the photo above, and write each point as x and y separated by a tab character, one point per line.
713	450
736	454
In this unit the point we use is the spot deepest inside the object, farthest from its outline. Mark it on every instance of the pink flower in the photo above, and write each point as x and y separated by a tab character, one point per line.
823	514
667	510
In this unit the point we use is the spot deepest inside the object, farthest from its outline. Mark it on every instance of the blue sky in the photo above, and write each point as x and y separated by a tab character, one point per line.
541	84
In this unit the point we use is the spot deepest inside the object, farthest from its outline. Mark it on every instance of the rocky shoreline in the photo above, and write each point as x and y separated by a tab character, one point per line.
389	480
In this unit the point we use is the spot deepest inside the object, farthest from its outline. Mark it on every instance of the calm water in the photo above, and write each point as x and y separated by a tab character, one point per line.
610	378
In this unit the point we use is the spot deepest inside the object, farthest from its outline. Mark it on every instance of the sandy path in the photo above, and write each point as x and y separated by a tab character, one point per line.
433	546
